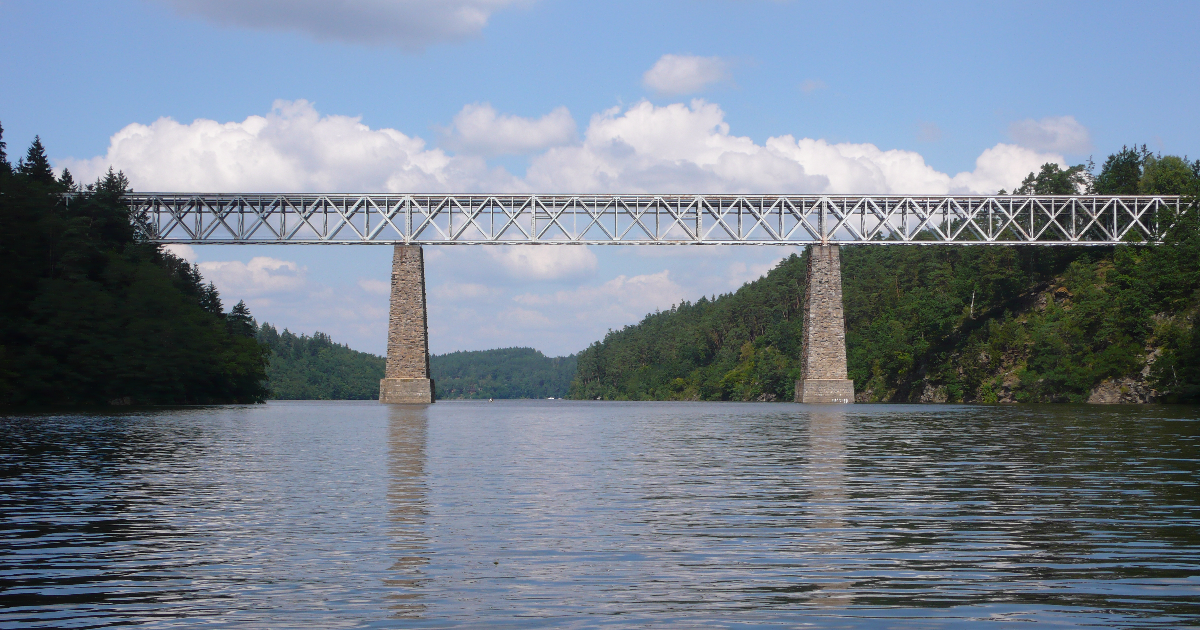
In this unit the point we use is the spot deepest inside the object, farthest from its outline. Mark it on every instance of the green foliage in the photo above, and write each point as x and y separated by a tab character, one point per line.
1167	175
738	346
316	368
1053	180
1121	173
91	312
36	166
501	373
984	324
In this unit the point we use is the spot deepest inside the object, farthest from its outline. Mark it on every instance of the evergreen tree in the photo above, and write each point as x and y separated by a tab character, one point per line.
91	311
240	322
1053	180
36	166
66	181
5	167
1121	172
210	299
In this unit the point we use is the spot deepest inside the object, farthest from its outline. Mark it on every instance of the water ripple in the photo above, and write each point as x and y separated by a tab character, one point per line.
561	514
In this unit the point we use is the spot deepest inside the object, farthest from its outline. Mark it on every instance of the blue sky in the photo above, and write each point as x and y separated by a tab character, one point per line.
700	95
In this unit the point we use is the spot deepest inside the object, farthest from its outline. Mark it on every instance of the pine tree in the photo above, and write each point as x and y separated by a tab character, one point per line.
240	322
5	167
113	183
1121	172
210	300
67	181
36	166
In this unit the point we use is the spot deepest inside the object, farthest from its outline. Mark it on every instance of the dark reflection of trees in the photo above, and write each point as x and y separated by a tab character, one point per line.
407	494
85	499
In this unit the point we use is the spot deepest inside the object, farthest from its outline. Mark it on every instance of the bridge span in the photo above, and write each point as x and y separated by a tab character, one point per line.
824	222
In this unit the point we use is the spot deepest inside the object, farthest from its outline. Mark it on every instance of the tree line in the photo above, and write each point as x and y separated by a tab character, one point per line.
317	368
972	324
501	373
92	312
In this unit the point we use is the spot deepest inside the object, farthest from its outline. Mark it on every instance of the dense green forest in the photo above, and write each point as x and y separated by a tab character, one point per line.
977	324
93	313
501	373
316	368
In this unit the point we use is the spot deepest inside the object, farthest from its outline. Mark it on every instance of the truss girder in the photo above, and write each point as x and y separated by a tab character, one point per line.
654	219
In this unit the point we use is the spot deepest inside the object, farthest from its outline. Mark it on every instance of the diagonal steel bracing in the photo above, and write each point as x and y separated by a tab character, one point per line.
654	219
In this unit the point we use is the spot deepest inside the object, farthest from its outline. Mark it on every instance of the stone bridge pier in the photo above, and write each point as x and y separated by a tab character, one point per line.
823	358
406	377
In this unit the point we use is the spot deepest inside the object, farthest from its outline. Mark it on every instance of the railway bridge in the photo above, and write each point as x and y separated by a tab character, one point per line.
823	222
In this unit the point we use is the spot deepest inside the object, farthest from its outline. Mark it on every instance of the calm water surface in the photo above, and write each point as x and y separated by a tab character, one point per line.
577	514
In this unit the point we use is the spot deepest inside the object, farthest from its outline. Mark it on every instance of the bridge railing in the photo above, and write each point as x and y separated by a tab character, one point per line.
653	219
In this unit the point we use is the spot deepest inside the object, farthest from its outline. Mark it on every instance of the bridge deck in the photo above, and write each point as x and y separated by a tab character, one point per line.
653	219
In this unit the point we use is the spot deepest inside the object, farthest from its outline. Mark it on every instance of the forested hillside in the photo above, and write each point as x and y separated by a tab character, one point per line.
501	373
91	313
316	368
981	324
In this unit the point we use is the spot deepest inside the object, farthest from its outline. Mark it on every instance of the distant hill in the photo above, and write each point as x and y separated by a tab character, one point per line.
501	373
316	368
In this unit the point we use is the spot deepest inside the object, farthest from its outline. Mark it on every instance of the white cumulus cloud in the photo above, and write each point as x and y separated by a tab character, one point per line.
261	276
682	148
408	24
685	74
479	129
291	149
1061	134
675	148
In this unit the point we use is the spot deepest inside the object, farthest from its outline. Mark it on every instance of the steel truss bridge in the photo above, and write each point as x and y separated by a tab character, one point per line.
472	219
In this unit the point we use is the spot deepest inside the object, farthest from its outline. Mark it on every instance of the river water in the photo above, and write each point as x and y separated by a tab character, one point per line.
581	514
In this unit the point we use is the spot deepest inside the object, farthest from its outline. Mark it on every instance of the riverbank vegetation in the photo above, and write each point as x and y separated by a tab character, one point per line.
92	313
317	368
972	324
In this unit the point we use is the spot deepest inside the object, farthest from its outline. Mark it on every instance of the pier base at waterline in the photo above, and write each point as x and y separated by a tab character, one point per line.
823	358
406	377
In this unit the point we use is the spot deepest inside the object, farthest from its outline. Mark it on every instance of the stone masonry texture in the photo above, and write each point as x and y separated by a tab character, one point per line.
408	331
823	357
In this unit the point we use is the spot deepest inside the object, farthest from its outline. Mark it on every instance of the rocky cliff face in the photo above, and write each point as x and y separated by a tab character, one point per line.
1000	373
1133	389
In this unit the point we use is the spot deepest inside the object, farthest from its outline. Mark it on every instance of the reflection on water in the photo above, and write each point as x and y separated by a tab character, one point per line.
551	514
407	428
827	476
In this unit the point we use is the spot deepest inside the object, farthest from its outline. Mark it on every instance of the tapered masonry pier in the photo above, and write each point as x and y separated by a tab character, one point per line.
823	358
406	377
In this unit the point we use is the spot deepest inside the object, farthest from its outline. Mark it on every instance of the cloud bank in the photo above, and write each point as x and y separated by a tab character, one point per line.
681	147
408	24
